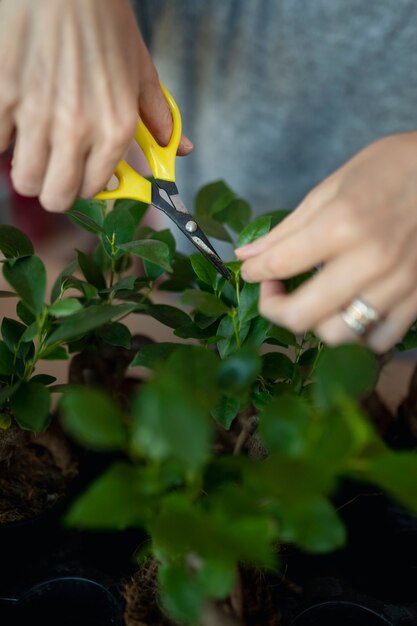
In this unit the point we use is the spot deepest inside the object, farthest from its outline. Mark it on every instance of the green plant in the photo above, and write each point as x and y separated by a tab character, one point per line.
236	442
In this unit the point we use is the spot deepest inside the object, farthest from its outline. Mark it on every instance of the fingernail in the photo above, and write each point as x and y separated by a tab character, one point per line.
250	249
186	143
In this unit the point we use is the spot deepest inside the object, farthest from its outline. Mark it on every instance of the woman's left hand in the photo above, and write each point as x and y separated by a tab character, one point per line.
360	224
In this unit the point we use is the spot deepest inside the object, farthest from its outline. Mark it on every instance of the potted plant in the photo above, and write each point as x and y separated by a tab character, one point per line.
237	450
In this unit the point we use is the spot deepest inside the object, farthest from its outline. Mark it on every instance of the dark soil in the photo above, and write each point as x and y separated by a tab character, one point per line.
35	470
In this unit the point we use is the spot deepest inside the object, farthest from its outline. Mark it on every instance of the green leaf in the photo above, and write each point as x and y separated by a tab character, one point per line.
181	594
86	320
28	277
93	419
259	227
154	353
238	371
207	303
213	198
156	252
214	229
257	332
13	243
282	337
136	208
168	315
91	270
25	314
111	502
228	344
236	215
248	305
30	333
226	410
89	214
43	379
64	307
119	226
286	426
116	334
204	270
277	366
155	271
7	294
54	353
31	406
6	360
395	473
12	331
67	271
351	368
170	411
314	525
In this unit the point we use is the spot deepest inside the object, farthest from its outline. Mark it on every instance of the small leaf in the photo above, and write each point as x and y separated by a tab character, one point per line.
286	426
239	370
181	594
396	473
91	270
204	270
93	419
65	307
228	344
259	227
28	277
119	226
88	319
226	410
67	271
30	333
13	243
31	406
168	315
207	303
257	332
43	379
154	251
54	353
349	368
214	229
154	353
111	502
89	214
12	331
155	271
136	208
6	360
116	334
213	198
236	215
282	336
277	366
248	305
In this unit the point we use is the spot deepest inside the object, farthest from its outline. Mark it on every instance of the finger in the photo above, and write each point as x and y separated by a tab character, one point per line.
328	291
6	131
309	207
156	115
383	296
299	251
108	149
395	325
31	152
63	176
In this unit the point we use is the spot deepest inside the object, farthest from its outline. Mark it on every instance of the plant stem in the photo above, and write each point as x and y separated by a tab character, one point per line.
236	328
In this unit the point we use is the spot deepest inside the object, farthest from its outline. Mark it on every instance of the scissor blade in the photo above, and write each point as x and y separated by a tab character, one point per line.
174	207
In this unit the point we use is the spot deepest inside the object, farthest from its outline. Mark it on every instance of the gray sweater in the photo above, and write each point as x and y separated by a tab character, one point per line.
276	94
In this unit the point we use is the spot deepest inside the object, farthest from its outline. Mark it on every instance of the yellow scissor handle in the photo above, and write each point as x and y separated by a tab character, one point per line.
131	185
160	158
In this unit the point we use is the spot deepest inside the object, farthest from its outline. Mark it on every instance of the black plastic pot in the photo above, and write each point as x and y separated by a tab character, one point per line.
66	601
351	613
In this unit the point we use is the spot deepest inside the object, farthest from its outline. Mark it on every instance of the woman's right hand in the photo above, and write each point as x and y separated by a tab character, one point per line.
74	76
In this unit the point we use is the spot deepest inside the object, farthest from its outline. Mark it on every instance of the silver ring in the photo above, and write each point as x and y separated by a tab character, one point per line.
359	316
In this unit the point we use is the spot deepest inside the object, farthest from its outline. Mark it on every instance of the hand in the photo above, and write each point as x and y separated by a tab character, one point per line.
73	77
361	224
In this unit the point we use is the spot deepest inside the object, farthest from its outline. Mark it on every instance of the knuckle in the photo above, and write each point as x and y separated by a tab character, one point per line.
350	223
119	134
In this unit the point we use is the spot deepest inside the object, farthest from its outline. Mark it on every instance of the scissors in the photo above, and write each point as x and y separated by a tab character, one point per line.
162	192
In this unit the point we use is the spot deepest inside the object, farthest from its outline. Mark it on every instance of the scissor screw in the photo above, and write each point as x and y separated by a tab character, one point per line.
191	226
